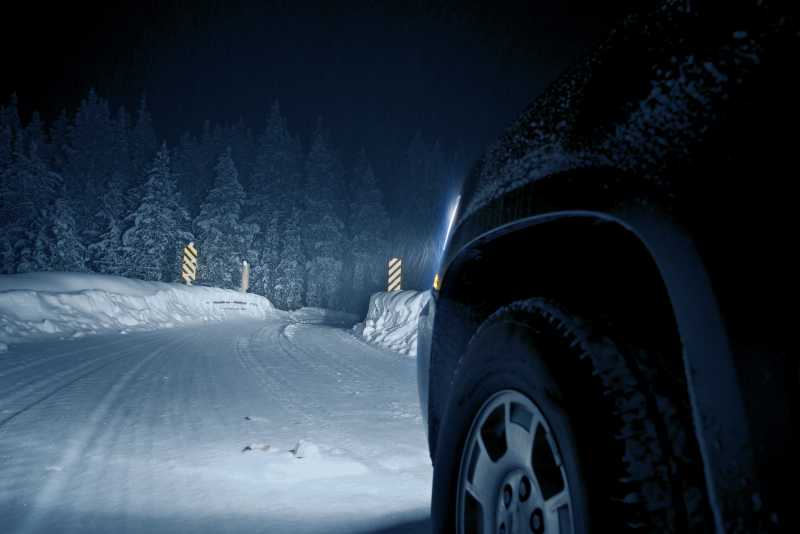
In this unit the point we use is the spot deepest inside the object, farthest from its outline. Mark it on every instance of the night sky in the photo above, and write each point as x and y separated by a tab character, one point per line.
376	71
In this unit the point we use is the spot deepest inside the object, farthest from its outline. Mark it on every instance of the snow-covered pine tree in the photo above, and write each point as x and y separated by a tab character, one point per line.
243	147
142	141
188	167
10	129
369	225
324	237
59	141
121	146
91	159
58	244
7	182
276	172
28	190
224	241
272	196
6	136
290	281
107	253
158	226
265	259
34	135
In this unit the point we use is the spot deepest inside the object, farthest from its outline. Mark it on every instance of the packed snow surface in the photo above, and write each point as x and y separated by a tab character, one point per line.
310	315
265	424
392	320
77	304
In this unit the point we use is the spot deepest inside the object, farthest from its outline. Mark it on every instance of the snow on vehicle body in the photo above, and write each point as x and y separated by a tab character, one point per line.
644	194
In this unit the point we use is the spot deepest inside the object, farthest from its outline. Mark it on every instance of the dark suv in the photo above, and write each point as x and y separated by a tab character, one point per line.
611	345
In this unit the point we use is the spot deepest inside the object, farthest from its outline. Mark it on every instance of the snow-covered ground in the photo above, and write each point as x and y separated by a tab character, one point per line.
77	304
392	319
249	424
323	316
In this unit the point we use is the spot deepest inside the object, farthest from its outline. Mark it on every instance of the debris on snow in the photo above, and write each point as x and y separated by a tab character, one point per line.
305	449
256	419
263	447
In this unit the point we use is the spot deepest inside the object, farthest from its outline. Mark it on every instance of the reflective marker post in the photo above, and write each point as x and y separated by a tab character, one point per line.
189	264
395	274
245	276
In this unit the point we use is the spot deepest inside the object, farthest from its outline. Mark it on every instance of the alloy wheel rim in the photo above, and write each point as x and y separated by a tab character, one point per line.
511	478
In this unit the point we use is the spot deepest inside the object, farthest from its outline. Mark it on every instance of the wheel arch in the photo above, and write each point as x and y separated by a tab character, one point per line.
636	271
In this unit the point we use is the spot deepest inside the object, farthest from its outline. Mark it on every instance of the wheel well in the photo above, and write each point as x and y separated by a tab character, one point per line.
594	268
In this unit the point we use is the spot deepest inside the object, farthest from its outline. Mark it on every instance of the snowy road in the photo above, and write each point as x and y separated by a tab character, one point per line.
189	430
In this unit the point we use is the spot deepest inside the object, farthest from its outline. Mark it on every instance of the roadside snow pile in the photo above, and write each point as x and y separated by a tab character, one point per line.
77	304
392	320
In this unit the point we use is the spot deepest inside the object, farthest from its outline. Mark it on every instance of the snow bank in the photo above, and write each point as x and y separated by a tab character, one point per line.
392	320
77	304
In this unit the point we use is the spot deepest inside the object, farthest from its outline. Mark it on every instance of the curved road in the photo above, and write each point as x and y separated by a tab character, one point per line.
192	430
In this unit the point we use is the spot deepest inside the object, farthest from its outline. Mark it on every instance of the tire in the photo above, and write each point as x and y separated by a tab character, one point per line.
558	408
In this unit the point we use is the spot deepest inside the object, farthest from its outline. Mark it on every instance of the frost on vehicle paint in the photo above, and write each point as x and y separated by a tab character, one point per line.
392	320
663	125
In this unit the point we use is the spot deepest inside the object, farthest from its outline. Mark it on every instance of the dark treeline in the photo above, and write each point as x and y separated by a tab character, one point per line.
97	191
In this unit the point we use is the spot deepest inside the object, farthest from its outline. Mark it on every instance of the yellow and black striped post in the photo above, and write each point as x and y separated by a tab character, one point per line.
395	274
189	266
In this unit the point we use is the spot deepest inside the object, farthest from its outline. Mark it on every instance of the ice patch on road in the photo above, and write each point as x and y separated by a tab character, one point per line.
77	304
392	320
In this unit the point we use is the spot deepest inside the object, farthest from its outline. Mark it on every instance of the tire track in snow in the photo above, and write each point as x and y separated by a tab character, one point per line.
302	388
320	365
364	365
123	463
39	384
108	458
270	377
48	496
342	382
36	360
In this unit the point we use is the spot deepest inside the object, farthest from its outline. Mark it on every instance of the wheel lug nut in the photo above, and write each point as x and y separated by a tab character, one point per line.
537	521
524	489
507	495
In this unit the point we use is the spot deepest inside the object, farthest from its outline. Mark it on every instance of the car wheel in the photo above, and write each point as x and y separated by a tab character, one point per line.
532	440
